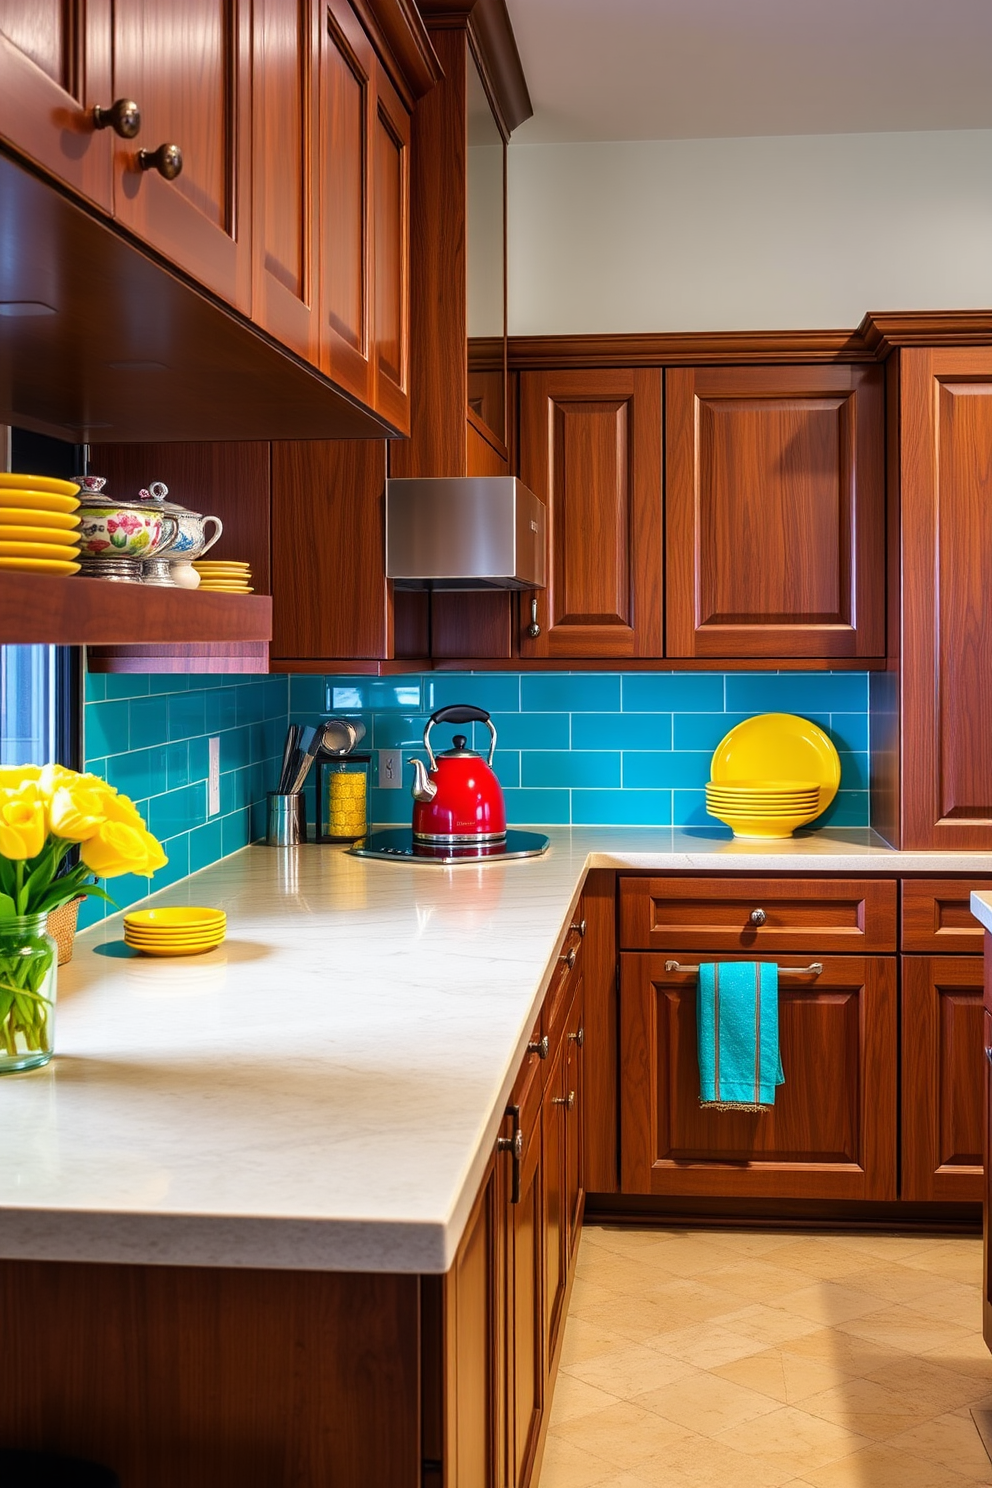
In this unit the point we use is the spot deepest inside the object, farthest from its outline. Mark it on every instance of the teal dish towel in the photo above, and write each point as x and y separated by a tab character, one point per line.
737	1024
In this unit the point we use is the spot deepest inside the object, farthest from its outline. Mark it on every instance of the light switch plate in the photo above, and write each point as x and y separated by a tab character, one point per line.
213	776
391	768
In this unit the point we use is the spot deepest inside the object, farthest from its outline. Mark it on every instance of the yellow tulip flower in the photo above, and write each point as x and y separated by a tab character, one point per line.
76	811
116	847
23	828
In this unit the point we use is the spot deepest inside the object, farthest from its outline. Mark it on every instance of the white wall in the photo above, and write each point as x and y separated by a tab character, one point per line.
747	234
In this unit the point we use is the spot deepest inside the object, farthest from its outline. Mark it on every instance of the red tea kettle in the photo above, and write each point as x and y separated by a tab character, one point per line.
460	801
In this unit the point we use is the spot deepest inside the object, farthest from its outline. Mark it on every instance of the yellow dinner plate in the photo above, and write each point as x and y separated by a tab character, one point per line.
174	945
48	536
62	551
174	916
220	573
18	516
39	565
224	589
222	567
189	939
779	746
38	500
190	950
13	480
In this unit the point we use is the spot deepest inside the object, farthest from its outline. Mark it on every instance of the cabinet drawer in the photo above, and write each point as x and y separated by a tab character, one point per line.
936	916
758	914
563	981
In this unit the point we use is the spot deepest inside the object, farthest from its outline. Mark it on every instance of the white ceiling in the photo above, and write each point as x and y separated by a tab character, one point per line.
692	69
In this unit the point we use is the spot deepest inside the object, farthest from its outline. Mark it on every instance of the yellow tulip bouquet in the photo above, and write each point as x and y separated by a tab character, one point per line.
45	812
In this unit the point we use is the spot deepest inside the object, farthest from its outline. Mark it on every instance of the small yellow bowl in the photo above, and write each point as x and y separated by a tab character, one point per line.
175	917
763	826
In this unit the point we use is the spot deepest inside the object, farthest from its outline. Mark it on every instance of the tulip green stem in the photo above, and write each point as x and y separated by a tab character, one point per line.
20	897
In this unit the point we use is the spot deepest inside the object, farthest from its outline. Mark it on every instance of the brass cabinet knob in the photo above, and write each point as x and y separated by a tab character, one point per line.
569	957
540	1047
123	117
579	925
758	917
167	160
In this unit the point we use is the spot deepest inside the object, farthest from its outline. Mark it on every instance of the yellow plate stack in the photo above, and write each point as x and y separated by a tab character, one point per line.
175	932
772	774
39	524
224	578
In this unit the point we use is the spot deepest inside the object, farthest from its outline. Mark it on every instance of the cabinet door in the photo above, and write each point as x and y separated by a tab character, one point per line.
945	416
473	1407
590	448
987	1195
775	507
187	64
391	254
556	1198
525	1288
574	1112
55	65
832	1131
285	94
943	1078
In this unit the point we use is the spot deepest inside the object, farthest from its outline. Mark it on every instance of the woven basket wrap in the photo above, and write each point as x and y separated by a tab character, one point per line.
62	928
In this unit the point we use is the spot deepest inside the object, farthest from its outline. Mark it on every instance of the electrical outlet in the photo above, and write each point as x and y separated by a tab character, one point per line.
213	776
391	768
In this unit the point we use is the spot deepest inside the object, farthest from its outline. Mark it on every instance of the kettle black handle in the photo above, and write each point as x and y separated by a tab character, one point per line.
459	713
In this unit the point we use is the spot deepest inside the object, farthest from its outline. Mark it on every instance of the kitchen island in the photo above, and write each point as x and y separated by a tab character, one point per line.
230	1201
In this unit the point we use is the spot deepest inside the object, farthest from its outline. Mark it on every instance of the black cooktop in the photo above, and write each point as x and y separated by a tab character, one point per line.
397	845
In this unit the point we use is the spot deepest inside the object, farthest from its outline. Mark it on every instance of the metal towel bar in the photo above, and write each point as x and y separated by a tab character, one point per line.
814	968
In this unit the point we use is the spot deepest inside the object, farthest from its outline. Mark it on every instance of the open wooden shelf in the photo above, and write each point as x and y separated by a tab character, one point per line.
184	630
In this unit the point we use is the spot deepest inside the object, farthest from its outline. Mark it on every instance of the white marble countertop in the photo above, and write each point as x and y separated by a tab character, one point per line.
322	1091
981	908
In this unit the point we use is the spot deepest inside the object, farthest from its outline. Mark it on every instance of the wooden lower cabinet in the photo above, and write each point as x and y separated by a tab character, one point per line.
942	1078
832	1131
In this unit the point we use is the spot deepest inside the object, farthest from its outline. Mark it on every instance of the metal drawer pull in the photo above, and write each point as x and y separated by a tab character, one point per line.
569	958
568	1101
757	917
815	968
579	925
578	1038
167	160
988	1054
533	629
515	1146
123	117
540	1047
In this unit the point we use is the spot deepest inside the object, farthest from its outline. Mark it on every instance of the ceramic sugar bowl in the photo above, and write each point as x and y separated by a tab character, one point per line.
117	537
173	565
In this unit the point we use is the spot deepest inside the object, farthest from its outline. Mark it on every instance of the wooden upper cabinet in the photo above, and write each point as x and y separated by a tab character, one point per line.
945	422
775	511
590	447
364	230
187	65
285	95
55	65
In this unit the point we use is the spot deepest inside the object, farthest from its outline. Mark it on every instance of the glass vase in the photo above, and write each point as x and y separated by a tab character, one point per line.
28	971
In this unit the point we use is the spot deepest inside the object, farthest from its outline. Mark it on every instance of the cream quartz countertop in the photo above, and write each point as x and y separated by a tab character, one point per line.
323	1091
981	908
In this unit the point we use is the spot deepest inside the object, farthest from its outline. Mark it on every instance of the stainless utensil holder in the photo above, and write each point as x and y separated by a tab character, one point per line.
287	820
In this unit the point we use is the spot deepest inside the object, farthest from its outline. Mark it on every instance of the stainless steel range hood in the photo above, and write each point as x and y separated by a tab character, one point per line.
472	532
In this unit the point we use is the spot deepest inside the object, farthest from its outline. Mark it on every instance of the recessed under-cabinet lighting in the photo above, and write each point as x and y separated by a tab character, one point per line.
23	308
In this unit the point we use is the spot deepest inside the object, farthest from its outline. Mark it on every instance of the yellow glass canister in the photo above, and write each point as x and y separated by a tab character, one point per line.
343	797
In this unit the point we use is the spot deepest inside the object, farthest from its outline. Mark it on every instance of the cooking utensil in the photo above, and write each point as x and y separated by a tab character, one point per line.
307	747
340	735
287	824
289	749
460	801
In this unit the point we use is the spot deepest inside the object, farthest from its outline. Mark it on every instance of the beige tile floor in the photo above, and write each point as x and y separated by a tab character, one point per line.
719	1359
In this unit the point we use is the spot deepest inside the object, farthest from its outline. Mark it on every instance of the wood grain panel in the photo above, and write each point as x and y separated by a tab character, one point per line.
38	610
331	599
188	65
48	92
937	917
214	1378
590	448
681	348
775	511
391	245
347	101
815	914
832	1130
599	970
555	1183
285	184
229	480
943	1079
525	1282
946	424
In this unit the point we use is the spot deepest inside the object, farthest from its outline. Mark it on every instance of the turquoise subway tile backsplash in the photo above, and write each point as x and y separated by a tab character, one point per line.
148	735
599	748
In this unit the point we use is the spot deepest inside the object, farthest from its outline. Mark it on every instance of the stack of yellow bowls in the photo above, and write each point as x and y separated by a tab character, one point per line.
39	524
224	578
772	774
174	932
763	808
